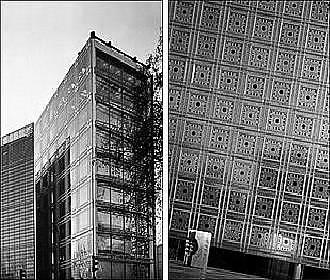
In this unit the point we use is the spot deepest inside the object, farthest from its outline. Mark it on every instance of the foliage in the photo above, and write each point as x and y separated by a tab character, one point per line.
155	64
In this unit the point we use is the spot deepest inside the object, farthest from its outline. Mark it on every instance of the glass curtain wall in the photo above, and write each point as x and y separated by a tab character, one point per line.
124	226
16	204
93	161
68	119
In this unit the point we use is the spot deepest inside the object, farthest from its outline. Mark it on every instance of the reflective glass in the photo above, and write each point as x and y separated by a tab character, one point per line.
103	243
117	221
84	219
103	194
118	245
103	220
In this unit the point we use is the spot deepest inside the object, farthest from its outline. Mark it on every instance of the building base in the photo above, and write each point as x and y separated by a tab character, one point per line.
251	264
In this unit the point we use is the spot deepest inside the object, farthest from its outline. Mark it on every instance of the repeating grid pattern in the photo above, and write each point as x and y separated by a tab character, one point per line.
250	158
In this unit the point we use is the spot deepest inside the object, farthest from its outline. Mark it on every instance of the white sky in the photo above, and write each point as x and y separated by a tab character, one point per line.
41	40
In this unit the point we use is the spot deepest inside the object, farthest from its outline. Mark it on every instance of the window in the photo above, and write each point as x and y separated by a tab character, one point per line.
61	165
103	194
102	140
115	71
102	90
102	167
102	114
103	243
61	186
128	123
115	120
130	224
83	117
82	246
83	193
84	142
73	151
128	78
118	245
127	175
83	168
103	220
115	93
117	221
115	144
128	102
74	224
74	175
62	209
84	219
128	151
72	127
142	250
113	195
116	171
117	196
102	63
62	254
62	231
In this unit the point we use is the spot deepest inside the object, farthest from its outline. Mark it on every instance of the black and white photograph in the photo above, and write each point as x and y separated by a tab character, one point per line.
81	113
169	139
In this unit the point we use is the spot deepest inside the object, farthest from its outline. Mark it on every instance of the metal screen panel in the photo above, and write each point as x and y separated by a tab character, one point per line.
249	126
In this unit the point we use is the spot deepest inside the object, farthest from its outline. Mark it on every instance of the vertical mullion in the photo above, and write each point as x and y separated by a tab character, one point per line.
109	159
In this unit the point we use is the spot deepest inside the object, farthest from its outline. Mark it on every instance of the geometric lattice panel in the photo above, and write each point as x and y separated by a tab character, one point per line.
250	82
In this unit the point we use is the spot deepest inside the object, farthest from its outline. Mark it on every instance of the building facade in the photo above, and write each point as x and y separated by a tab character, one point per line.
94	170
17	250
249	130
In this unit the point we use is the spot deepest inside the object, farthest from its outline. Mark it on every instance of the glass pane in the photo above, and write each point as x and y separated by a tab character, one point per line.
118	271
83	143
128	78
102	140
115	71
74	175
72	128
118	245
84	219
83	168
102	114
83	194
127	175
116	172
102	64
103	243
74	224
103	194
83	117
103	220
130	224
102	168
117	196
128	246
74	150
102	89
115	93
117	222
115	120
82	246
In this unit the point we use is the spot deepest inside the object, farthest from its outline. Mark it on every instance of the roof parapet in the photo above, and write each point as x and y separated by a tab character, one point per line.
109	44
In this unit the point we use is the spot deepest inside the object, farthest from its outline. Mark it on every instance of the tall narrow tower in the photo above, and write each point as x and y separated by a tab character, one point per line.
17	251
